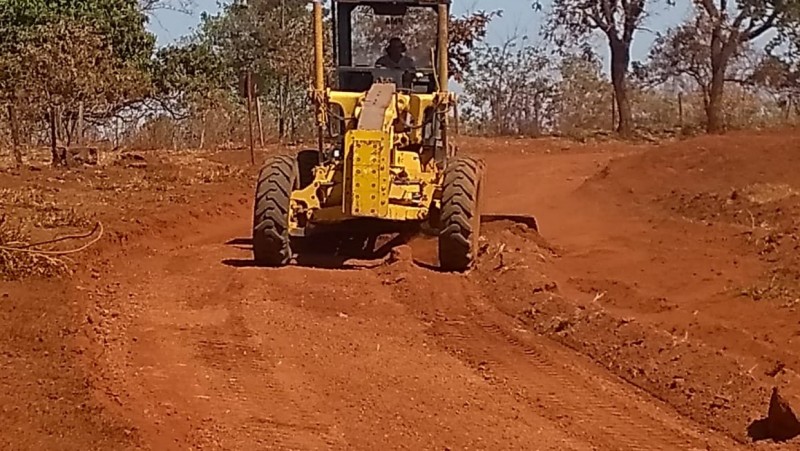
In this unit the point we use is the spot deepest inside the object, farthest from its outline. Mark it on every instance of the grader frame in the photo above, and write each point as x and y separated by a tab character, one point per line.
392	167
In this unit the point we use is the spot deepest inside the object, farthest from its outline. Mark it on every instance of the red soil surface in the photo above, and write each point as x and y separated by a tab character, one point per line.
656	309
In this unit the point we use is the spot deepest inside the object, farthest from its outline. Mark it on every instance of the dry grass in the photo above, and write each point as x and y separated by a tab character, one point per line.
23	197
41	209
197	169
41	204
763	193
18	264
53	217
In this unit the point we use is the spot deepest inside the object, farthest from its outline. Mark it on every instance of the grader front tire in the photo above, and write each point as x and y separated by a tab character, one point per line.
271	243
460	214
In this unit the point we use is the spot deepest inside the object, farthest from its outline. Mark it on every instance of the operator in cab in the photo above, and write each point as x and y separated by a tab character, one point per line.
395	56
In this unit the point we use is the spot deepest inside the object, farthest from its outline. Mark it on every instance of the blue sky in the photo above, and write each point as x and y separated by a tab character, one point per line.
518	18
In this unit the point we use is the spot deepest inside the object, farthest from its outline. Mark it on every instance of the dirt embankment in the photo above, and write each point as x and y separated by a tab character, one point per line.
696	242
701	382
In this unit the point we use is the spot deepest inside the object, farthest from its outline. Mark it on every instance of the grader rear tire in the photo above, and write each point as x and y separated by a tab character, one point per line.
271	243
460	213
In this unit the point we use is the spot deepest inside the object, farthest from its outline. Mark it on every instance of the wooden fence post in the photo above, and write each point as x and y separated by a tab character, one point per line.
250	115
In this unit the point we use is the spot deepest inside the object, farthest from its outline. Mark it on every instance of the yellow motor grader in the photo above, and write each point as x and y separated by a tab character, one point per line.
384	162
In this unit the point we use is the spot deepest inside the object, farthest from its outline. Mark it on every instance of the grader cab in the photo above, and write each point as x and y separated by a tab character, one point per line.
383	162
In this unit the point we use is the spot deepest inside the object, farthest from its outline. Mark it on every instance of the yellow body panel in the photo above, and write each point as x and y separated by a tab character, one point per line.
348	102
412	104
386	172
367	176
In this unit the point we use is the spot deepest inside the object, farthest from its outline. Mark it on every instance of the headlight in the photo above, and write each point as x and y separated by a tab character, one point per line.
337	153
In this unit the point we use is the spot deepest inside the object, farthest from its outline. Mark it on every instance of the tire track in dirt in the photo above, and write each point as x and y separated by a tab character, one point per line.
402	380
565	387
601	407
242	358
200	324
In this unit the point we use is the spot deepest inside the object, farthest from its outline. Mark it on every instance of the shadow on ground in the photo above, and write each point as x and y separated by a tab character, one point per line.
331	253
245	244
365	251
780	424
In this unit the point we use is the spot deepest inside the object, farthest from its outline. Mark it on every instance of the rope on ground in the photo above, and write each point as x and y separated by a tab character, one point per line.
98	228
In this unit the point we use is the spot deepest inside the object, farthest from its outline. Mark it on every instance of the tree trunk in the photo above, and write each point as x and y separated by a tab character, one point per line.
620	60
53	136
203	130
61	131
250	115
259	122
715	120
79	126
282	85
281	110
613	109
116	133
722	49
12	119
293	123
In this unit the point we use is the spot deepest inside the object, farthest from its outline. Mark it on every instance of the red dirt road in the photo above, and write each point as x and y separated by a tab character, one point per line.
621	327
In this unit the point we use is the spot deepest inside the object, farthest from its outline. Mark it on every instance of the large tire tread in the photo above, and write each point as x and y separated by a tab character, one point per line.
460	214
271	243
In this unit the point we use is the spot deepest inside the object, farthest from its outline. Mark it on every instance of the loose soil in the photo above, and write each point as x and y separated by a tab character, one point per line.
656	308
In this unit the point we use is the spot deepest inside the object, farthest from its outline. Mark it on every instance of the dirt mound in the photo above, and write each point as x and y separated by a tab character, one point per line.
706	164
511	302
765	215
745	182
701	383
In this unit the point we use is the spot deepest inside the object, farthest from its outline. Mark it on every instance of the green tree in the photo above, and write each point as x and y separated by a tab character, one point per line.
570	22
191	80
57	56
466	32
510	89
121	23
66	64
273	39
781	77
779	70
731	25
583	95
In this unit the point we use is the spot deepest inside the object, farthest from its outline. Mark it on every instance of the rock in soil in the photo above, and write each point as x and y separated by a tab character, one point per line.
781	423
